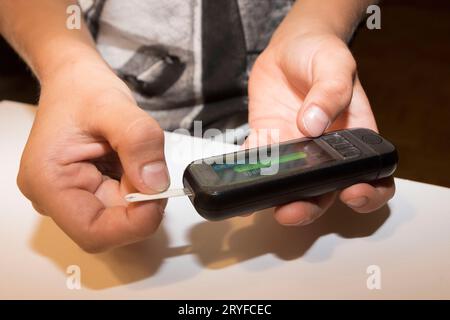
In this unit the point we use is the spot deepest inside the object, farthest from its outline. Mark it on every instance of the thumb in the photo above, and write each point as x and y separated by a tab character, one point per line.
333	74
139	142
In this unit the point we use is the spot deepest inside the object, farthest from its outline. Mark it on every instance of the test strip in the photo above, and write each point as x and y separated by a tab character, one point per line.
137	197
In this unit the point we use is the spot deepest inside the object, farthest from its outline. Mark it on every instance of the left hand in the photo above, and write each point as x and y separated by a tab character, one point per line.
305	86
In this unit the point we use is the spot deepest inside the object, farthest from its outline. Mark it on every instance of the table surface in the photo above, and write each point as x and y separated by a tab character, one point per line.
249	258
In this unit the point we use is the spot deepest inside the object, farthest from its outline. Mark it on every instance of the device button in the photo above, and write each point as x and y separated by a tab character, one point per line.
350	152
372	139
342	145
333	139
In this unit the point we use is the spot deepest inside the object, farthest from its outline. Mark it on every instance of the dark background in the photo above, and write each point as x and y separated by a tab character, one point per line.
404	68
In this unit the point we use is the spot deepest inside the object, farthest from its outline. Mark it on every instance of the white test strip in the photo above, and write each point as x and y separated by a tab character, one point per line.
137	197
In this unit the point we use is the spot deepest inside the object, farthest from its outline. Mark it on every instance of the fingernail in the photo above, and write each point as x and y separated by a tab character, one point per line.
156	176
357	202
301	223
305	221
313	217
315	120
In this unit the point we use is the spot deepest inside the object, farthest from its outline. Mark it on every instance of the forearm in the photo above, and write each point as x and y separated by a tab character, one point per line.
37	31
339	17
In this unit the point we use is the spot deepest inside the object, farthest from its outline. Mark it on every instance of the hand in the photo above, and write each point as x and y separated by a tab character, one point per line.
305	86
88	131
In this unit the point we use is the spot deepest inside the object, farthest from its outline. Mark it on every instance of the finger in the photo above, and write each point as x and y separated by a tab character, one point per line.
139	142
364	197
91	209
264	136
126	188
301	213
331	91
97	228
359	113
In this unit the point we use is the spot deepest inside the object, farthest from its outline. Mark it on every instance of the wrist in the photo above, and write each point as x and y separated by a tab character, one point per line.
309	29
57	63
335	17
82	82
74	73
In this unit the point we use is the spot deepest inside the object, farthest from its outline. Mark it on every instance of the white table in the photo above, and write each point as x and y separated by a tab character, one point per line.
252	257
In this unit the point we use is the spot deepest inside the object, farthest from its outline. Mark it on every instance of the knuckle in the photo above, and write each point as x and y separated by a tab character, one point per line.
21	181
35	176
143	131
24	180
38	209
352	65
83	175
339	87
92	248
89	241
88	238
143	128
145	230
343	55
347	60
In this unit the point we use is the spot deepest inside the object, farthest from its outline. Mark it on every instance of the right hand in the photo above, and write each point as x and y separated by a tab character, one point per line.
305	85
89	130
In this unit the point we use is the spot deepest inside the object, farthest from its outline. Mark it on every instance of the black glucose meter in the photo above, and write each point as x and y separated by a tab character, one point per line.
232	184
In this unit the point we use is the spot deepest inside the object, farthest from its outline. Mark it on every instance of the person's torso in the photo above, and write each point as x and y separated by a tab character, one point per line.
185	60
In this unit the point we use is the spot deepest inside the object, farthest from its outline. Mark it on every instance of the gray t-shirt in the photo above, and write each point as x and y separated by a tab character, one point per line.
185	60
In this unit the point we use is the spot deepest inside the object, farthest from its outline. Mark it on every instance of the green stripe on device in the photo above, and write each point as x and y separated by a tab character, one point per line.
283	159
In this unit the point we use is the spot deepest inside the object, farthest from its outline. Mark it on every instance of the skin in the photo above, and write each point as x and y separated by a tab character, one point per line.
88	129
310	66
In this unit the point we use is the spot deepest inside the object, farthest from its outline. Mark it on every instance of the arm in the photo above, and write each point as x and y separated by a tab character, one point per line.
338	17
36	29
88	130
